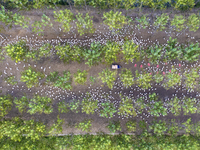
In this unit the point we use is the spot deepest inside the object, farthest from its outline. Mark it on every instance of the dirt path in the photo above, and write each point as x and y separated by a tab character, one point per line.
144	37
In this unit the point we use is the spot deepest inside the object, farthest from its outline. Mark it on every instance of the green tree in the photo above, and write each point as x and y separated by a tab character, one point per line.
65	17
172	79
89	105
6	17
178	22
158	78
193	22
62	107
21	20
175	106
80	77
84	25
191	78
129	50
40	105
11	80
114	20
126	77
84	125
131	126
17	51
22	103
161	22
44	50
108	110
74	106
184	4
108	76
143	80
189	106
56	128
126	107
159	128
31	77
112	49
157	4
114	126
154	53
143	22
93	55
173	128
5	104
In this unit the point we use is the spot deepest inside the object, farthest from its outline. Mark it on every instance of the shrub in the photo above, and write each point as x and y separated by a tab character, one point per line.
62	107
31	77
74	106
40	105
56	128
108	110
17	51
11	80
126	77
89	105
131	126
5	104
114	126
143	80
108	76
21	104
84	125
80	77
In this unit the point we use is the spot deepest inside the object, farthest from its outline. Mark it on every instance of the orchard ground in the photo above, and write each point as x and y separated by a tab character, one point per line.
143	37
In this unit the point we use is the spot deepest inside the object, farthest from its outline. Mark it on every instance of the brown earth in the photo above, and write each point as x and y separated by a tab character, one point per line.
144	37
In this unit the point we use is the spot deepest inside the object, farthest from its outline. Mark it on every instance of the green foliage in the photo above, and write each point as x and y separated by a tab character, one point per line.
21	20
143	80
84	125
114	126
156	107
34	130
175	106
64	52
158	4
89	105
40	105
126	107
161	21
22	103
129	50
174	128
5	104
108	76
154	53
84	25
191	53
17	51
77	53
159	128
108	110
62	107
6	17
44	50
80	77
143	22
112	49
11	80
131	126
172	79
31	77
172	51
184	4
114	20
189	106
63	82
56	128
93	55
39	26
65	17
187	126
178	22
126	77
191	78
92	79
193	22
74	106
158	78
140	105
